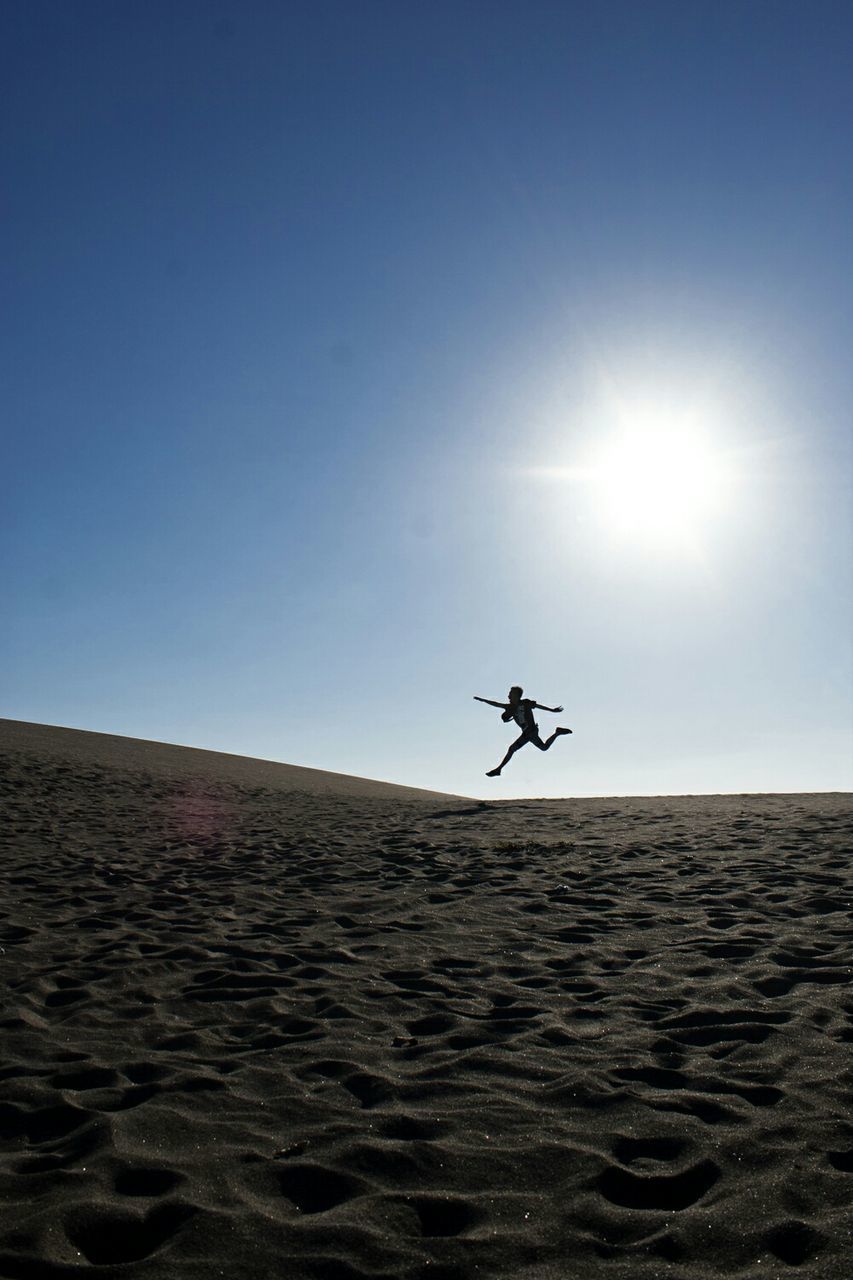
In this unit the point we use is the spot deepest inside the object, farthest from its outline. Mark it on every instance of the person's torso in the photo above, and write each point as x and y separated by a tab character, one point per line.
522	713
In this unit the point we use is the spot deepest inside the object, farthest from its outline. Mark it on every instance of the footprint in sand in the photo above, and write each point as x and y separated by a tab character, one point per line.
107	1237
662	1191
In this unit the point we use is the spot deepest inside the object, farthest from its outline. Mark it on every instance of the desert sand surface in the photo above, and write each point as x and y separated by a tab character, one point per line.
261	1021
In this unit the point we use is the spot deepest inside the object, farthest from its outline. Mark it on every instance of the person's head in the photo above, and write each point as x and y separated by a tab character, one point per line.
515	693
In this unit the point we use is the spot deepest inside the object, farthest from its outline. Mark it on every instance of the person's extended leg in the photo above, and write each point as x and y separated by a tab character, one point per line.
513	747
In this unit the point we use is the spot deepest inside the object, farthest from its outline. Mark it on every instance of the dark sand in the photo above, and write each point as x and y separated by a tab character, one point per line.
263	1021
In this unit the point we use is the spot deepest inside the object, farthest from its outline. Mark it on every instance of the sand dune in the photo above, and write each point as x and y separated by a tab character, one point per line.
165	760
265	1021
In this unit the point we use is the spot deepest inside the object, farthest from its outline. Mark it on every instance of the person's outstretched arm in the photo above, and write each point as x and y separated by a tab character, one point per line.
554	710
490	703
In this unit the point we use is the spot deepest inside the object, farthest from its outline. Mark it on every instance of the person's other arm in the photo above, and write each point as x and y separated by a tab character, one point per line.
541	707
503	707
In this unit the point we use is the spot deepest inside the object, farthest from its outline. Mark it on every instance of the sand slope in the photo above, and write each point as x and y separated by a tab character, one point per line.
182	764
257	1028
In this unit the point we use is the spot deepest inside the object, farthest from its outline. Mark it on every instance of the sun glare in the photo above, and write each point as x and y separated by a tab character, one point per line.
651	476
656	478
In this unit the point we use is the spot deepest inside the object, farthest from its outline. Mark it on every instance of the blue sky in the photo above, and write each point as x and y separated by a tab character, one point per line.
326	327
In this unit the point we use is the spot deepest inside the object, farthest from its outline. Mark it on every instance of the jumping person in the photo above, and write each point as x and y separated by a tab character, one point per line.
521	711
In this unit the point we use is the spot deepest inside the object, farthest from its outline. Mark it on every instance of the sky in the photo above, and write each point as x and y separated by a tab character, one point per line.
361	357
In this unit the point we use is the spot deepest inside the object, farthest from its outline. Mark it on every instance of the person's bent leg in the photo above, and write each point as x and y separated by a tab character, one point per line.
558	733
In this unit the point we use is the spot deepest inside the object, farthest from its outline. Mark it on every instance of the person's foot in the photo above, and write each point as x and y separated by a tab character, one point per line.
563	730
493	773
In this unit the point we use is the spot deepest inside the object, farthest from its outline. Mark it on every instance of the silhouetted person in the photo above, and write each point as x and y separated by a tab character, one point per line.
521	711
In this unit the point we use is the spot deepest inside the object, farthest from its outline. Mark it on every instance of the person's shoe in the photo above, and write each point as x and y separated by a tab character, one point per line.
493	773
562	731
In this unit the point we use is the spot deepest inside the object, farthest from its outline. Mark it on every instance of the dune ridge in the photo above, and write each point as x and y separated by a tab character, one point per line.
258	1023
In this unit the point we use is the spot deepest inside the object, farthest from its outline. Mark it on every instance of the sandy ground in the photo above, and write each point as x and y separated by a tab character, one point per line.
265	1021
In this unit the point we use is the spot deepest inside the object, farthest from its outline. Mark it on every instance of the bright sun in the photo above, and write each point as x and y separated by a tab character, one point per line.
656	478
